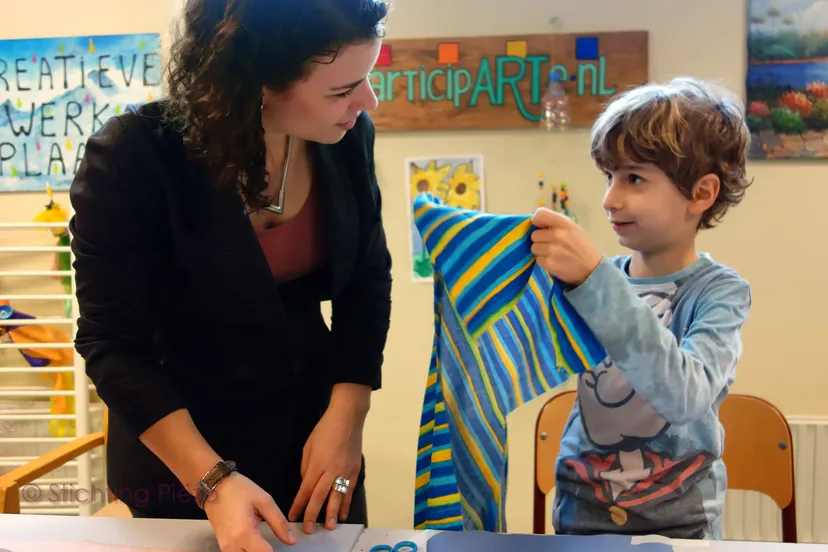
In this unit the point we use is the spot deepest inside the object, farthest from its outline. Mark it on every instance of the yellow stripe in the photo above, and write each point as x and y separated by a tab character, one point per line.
443	455
432	379
574	343
480	304
535	359
489	392
475	517
427	427
486	259
446	238
421	211
519	345
506	361
480	366
438	522
437	222
470	442
542	299
443	500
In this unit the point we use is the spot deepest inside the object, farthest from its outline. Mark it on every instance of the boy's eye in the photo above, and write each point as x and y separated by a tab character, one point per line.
345	94
635	179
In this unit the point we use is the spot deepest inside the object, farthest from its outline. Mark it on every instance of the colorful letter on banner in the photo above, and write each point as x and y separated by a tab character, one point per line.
503	335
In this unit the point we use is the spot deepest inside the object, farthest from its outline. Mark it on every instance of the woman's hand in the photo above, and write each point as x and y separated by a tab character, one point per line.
334	449
235	509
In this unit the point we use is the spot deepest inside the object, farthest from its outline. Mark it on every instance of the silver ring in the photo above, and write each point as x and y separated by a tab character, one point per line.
341	485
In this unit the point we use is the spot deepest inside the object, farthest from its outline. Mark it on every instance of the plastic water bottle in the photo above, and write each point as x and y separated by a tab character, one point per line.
554	105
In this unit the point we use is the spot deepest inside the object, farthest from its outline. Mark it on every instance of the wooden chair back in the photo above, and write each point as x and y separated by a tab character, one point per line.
106	424
548	431
758	453
11	482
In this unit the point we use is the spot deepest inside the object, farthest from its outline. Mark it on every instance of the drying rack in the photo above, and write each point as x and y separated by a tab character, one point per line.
25	414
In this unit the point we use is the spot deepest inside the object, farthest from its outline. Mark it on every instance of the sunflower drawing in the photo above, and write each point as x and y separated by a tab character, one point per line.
431	179
464	188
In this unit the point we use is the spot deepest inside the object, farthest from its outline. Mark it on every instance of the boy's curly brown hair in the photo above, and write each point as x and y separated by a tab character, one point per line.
687	128
229	50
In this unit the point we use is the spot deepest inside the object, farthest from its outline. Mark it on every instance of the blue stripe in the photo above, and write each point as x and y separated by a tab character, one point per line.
467	244
504	267
474	240
519	342
536	388
520	354
456	381
500	379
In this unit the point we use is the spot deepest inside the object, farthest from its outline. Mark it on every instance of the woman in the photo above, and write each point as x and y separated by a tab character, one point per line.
208	228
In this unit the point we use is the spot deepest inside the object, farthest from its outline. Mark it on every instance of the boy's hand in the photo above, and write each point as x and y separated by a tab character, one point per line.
563	248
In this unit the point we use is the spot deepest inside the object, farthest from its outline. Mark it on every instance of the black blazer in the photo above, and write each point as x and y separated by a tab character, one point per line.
179	309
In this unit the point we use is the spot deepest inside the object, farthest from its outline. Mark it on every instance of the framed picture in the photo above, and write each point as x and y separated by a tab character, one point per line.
787	78
456	180
58	91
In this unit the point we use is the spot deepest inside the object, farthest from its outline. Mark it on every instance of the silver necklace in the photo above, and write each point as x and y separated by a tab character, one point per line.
280	206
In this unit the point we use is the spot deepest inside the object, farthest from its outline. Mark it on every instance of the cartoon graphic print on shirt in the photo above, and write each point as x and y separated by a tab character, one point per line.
622	479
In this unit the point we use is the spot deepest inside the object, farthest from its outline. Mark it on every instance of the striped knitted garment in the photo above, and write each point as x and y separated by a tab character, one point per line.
503	335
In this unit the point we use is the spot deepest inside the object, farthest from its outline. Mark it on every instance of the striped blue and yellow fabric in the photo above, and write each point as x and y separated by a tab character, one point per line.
503	335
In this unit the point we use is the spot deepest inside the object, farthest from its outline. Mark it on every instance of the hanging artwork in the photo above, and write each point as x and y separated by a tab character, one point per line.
787	78
456	180
58	91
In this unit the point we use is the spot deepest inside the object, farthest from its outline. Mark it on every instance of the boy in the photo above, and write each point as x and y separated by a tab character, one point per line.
641	452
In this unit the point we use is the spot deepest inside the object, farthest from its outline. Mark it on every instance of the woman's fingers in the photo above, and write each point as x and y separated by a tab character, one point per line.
274	517
303	496
345	507
335	500
317	499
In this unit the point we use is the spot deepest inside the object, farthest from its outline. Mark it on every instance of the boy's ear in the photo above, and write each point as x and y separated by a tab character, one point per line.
705	192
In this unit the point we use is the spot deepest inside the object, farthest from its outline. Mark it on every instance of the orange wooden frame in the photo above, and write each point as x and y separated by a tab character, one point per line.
11	482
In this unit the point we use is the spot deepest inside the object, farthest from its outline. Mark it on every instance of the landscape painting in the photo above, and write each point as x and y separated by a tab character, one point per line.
787	78
55	92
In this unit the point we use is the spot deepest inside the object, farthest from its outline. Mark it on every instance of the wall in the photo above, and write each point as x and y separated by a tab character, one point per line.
773	243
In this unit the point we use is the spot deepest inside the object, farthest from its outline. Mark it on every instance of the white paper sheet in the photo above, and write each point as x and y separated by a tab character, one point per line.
71	546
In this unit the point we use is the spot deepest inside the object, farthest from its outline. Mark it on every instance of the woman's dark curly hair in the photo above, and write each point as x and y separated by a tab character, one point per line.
229	50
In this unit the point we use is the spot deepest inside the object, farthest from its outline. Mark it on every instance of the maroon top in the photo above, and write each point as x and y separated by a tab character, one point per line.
297	247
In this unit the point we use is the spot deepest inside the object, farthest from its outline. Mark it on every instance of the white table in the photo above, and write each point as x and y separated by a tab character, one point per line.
198	536
189	535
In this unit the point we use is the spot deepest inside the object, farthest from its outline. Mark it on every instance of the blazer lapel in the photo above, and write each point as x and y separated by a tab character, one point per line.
237	259
221	245
340	213
233	254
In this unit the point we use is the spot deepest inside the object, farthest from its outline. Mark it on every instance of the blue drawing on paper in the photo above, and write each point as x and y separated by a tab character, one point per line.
55	92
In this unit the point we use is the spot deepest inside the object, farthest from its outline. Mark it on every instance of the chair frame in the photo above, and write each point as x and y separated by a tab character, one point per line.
11	482
788	511
539	495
